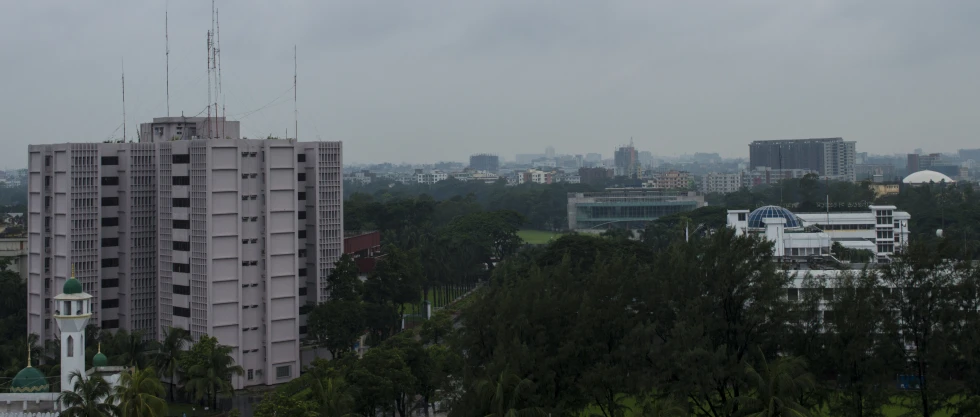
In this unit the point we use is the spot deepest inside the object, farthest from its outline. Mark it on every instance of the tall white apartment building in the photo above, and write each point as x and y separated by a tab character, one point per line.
223	237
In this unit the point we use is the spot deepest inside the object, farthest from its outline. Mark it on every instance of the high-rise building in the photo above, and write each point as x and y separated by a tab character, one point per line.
918	162
549	152
485	162
627	161
830	157
220	237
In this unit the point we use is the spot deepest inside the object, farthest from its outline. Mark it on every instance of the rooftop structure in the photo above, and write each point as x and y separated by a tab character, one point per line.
630	208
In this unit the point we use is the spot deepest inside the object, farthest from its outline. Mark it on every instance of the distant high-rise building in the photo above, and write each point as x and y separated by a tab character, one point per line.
227	238
593	157
830	157
918	162
549	152
485	162
970	154
627	161
594	176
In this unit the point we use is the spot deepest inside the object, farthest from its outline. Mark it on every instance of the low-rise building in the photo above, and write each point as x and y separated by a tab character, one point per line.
629	208
536	176
669	180
714	182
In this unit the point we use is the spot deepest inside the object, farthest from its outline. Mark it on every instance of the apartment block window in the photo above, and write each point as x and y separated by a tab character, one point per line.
182	311
302	215
301	176
185	268
47	160
110	262
110	160
183	246
301	196
182	289
110	282
302	234
110	221
283	372
251	374
182	202
302	253
181	224
302	273
302	291
110	324
108	242
302	329
110	201
301	157
180	158
181	180
113	303
110	180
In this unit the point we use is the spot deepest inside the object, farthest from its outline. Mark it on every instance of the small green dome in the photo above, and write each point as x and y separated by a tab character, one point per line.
72	286
29	380
100	360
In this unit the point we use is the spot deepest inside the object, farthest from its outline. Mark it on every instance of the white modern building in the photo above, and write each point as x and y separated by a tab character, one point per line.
714	182
882	230
222	237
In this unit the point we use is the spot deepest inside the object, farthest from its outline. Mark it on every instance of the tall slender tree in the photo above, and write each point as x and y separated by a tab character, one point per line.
140	394
168	357
89	397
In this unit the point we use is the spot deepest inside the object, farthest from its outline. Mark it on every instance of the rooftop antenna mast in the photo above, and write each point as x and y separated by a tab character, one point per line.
295	111
166	36
124	97
217	58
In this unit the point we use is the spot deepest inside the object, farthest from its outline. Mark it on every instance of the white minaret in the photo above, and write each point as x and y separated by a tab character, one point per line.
73	308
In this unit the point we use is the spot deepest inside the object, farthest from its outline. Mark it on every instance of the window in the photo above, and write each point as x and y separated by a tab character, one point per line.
110	324
71	347
302	273
283	372
251	374
180	158
110	282
182	202
244	197
182	289
301	157
182	224
182	311
113	303
110	180
110	221
181	180
110	160
184	246
741	217
301	176
185	268
47	160
301	196
110	201
302	329
109	242
302	215
302	234
302	253
110	262
302	291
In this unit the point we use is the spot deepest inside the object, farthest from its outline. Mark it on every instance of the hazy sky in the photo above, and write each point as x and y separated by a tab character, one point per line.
419	81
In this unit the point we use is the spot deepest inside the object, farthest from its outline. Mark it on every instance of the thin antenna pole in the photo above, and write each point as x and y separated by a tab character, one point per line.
124	97
217	59
166	36
209	86
295	111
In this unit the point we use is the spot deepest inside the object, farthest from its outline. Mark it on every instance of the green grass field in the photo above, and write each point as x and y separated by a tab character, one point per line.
537	237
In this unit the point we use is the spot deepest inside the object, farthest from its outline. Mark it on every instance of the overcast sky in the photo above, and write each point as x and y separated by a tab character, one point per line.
422	81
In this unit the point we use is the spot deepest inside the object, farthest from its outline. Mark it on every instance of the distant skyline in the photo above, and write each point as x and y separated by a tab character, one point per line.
438	80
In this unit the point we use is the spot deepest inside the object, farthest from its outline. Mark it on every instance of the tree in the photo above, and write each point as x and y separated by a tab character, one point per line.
337	325
777	387
378	380
332	396
494	234
140	394
395	283
277	404
209	369
89	397
436	328
131	348
168	357
506	396
343	282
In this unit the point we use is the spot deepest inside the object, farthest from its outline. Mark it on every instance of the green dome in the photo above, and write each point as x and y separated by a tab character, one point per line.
100	360
72	286
29	380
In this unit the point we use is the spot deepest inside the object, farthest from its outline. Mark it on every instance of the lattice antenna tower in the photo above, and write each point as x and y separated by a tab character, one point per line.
123	65
166	37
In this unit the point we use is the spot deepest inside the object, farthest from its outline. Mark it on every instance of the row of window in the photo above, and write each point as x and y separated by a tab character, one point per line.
246	241
110	282
113	303
110	160
182	311
108	242
110	180
250	263
110	221
181	224
181	180
182	289
110	201
302	291
183	246
110	262
110	324
178	267
181	202
180	158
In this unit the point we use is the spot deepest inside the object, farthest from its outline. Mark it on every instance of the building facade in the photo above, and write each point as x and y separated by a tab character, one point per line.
485	162
629	208
536	176
627	161
221	237
832	158
669	180
714	182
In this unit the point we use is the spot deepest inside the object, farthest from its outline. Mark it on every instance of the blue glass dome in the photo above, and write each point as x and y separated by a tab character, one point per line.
771	212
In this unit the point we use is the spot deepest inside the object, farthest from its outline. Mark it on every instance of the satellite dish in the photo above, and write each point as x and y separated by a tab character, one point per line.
939	232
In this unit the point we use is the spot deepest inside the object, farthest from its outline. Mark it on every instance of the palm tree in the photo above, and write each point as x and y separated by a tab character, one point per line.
140	394
331	395
206	380
132	350
172	347
505	395
89	397
661	407
777	387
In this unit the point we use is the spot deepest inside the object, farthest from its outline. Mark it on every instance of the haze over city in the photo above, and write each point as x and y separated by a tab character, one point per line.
429	81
